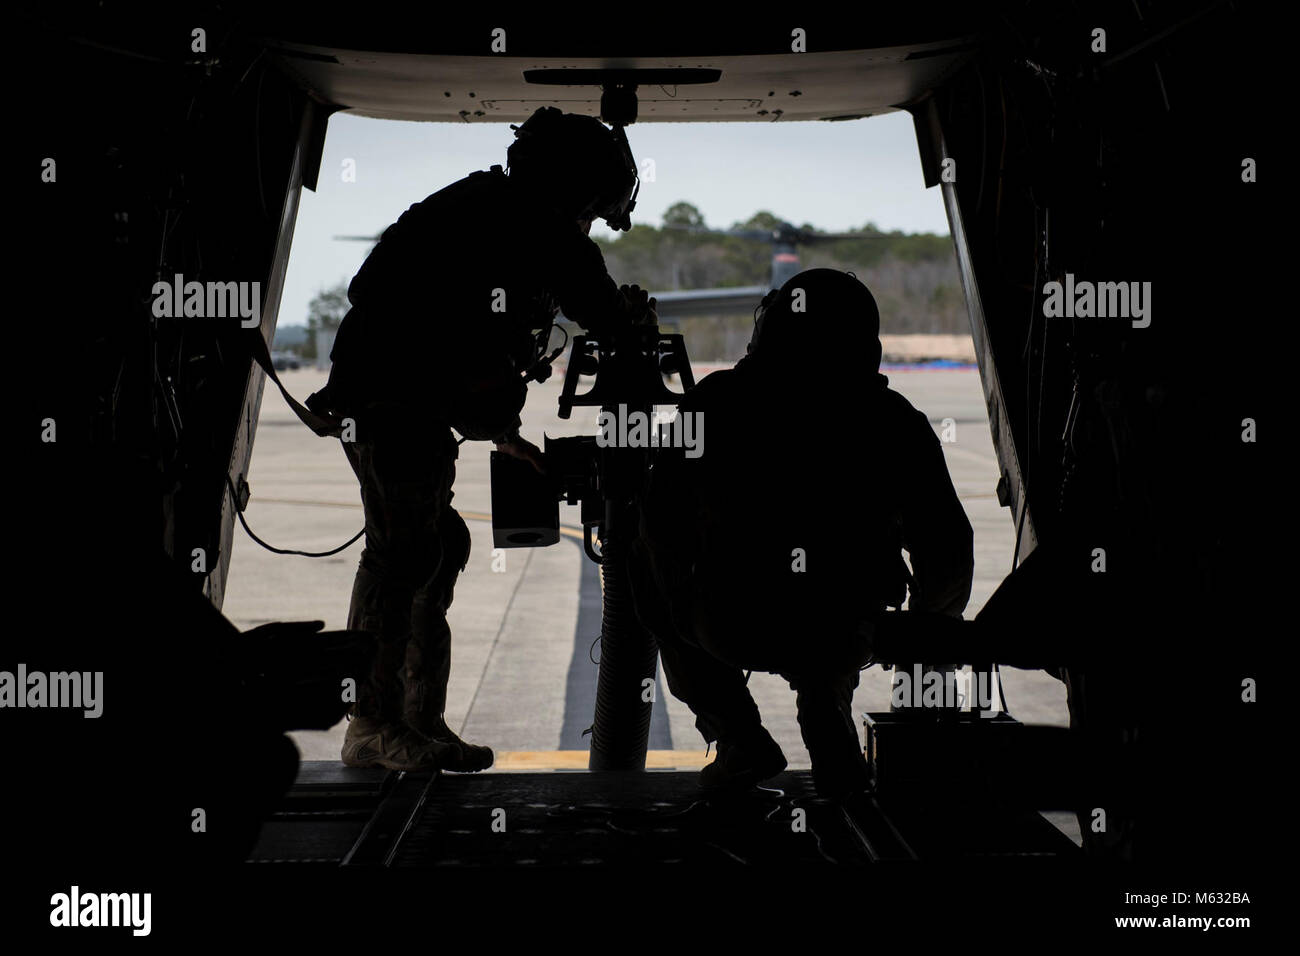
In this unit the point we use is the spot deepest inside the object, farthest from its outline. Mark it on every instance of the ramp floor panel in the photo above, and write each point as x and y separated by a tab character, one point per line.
542	819
335	816
322	815
956	829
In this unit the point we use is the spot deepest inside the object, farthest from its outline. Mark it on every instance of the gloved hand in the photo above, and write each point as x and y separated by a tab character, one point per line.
518	447
640	306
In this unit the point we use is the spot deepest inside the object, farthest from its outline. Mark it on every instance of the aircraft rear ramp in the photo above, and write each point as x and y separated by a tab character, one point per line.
368	818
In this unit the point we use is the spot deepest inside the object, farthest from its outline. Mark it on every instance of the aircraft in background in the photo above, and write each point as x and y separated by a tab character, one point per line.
785	239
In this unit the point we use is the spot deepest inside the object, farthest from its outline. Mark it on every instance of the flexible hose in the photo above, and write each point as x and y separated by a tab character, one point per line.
628	657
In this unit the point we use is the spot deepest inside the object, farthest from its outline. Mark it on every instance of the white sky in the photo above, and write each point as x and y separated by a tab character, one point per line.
833	175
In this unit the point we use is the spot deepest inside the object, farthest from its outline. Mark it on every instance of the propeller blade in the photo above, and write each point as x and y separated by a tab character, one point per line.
824	236
765	234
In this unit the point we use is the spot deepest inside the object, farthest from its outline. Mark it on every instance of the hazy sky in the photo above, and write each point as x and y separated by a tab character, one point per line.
833	175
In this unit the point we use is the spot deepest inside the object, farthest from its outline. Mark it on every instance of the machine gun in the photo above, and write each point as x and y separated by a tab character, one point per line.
605	481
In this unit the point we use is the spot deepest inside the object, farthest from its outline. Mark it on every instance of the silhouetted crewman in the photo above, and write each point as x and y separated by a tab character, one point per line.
449	312
779	546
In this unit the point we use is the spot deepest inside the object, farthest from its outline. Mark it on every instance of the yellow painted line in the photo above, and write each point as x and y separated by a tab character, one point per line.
529	760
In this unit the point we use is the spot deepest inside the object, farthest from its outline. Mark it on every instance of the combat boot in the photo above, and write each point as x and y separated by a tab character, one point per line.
422	712
373	742
839	767
454	754
743	762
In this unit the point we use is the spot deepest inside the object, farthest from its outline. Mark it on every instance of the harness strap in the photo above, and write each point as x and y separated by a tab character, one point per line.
326	426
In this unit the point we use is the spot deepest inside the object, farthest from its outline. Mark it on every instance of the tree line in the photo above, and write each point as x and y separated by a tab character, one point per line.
912	275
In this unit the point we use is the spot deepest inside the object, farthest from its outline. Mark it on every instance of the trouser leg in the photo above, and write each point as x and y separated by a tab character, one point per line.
825	709
428	653
716	692
405	491
380	609
381	600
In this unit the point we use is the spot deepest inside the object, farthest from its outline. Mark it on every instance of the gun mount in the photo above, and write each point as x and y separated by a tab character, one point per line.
605	478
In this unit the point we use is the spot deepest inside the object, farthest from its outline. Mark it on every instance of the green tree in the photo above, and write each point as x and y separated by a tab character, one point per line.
325	311
760	220
683	214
